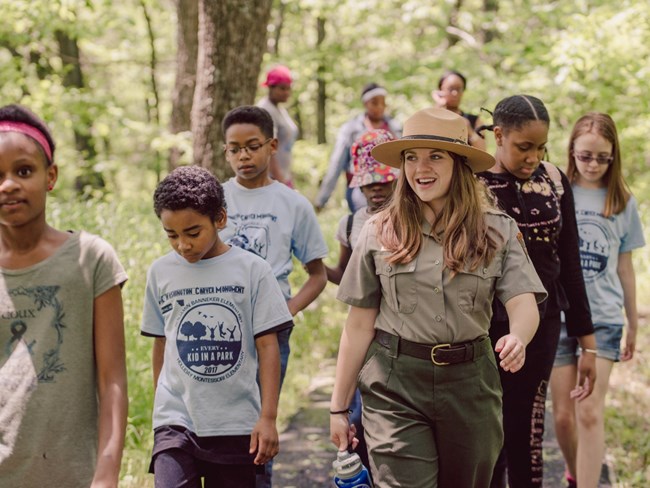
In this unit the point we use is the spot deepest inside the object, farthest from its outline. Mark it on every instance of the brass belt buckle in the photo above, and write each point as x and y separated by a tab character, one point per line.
433	354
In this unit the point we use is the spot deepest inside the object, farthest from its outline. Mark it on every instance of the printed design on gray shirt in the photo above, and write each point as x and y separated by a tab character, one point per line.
209	339
252	236
594	248
42	300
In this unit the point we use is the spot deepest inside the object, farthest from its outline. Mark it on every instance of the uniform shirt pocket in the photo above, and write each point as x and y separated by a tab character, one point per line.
476	287
398	286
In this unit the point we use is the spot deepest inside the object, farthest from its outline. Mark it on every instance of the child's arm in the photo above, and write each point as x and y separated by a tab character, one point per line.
264	438
312	287
335	274
626	274
157	356
108	327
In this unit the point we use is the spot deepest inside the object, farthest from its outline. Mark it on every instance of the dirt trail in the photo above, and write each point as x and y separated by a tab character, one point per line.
305	459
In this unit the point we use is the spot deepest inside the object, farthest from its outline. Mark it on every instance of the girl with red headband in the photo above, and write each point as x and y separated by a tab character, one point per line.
63	399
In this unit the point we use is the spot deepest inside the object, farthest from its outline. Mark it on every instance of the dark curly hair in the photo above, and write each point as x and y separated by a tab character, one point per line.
191	187
18	113
249	114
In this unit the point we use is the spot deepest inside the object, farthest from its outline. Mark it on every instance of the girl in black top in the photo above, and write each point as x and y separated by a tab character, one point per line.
539	197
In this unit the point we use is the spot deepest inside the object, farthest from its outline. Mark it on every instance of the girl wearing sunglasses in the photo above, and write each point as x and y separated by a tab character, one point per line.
609	228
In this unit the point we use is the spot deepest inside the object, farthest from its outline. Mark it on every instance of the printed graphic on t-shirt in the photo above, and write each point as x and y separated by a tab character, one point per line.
594	248
24	311
252	233
208	331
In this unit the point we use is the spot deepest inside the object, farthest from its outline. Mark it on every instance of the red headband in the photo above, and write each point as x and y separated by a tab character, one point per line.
28	130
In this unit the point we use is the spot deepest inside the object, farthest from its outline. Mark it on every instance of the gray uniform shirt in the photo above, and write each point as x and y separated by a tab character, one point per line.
421	302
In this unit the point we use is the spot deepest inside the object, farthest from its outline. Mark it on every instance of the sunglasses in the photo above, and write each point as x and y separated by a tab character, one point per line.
588	158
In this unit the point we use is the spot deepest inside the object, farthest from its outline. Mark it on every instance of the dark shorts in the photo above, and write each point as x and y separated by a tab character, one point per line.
180	458
608	343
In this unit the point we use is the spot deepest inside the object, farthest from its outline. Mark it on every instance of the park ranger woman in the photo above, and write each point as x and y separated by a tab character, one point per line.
420	284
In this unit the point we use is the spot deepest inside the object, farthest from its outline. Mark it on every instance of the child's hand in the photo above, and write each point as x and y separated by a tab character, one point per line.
630	345
264	441
586	376
512	352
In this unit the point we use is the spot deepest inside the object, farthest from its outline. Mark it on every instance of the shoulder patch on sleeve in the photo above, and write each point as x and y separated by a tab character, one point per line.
520	239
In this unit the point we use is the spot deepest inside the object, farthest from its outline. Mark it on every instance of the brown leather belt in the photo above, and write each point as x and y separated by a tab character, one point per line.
440	354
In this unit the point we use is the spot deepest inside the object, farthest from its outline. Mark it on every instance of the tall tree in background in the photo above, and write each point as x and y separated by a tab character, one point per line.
187	13
232	41
73	78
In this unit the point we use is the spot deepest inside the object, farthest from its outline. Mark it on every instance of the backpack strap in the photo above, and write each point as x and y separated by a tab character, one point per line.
348	229
555	176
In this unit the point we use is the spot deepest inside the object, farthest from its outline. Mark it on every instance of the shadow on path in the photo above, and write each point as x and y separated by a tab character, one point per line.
306	454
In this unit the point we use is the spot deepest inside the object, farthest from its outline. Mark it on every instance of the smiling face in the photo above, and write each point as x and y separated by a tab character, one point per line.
193	235
590	174
25	179
520	151
251	166
428	172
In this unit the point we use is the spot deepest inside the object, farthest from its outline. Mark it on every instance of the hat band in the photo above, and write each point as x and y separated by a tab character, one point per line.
438	138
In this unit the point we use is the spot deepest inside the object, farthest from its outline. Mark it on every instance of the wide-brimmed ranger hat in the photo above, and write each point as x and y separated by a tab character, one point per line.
435	128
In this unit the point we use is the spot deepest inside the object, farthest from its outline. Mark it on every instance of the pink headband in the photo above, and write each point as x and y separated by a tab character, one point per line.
28	130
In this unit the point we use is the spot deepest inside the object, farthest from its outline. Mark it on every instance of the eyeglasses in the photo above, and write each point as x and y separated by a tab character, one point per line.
249	148
588	158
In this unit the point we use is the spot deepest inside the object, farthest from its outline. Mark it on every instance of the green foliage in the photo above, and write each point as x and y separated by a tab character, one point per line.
576	55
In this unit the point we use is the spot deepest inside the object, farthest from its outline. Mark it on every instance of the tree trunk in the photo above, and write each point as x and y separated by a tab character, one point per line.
73	78
274	47
490	7
322	96
187	12
453	22
232	40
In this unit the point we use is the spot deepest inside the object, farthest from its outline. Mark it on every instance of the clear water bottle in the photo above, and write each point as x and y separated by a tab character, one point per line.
350	471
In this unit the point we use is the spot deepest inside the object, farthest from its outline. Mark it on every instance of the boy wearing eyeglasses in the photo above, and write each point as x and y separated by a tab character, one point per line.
268	218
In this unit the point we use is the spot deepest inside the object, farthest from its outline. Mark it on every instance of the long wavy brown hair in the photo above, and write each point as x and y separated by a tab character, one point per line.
618	193
467	239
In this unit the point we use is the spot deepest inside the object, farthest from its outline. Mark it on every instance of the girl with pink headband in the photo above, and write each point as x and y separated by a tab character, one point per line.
63	396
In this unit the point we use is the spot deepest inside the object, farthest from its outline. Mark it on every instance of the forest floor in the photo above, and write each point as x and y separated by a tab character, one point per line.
306	454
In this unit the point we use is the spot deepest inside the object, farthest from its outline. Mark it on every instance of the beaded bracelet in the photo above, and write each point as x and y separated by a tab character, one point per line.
347	411
592	351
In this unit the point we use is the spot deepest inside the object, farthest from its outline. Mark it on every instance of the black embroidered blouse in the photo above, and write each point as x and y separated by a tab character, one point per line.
548	224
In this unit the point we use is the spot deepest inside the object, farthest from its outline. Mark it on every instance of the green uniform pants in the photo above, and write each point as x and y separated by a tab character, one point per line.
431	426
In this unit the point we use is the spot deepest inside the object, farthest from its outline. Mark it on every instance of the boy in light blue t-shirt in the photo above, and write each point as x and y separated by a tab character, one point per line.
268	218
214	311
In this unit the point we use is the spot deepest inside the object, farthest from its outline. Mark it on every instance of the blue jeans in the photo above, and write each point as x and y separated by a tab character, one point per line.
608	343
264	480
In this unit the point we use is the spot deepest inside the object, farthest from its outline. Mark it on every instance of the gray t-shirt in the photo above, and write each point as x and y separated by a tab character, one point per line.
359	218
210	312
48	388
274	222
602	239
286	130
